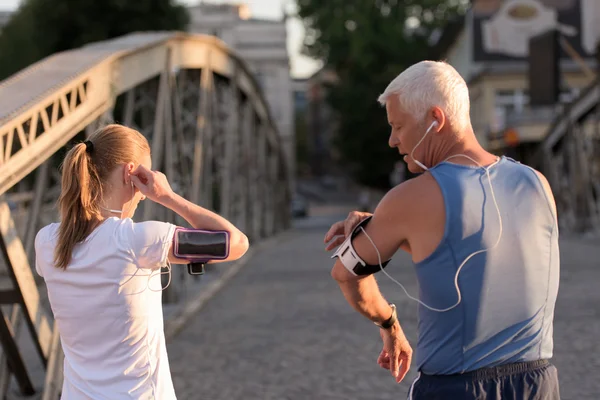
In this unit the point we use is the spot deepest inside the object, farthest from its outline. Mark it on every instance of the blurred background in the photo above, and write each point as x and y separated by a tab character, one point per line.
265	111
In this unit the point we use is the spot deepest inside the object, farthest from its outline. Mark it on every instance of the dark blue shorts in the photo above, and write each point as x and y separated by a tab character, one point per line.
536	380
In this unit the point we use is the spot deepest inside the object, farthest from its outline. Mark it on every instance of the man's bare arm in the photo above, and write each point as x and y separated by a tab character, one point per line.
387	232
363	294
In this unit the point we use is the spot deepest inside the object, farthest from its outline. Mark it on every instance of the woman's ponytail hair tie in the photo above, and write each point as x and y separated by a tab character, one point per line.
89	146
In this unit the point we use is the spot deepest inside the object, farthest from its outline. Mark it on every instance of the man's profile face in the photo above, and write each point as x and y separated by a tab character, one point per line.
406	133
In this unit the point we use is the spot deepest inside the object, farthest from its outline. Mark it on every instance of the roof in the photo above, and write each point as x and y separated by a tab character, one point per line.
263	21
212	7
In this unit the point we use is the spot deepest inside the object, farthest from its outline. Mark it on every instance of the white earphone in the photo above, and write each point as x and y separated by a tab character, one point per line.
419	163
458	293
121	211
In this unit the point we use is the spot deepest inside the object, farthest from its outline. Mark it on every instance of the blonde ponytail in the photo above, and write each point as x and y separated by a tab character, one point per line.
85	171
78	202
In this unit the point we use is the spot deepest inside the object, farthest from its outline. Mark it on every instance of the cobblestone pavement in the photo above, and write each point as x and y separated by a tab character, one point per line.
577	321
281	329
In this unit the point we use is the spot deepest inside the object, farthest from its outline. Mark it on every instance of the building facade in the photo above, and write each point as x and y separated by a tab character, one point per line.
494	61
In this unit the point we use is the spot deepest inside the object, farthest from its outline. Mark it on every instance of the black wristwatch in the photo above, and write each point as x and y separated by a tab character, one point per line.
388	323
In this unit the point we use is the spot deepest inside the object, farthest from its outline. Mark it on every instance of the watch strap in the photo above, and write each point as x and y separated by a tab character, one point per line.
387	324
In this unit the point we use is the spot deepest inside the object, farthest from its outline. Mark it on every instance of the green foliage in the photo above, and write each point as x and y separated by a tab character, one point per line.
40	28
368	43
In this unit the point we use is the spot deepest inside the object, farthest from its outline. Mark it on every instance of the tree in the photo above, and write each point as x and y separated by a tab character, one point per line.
40	28
367	43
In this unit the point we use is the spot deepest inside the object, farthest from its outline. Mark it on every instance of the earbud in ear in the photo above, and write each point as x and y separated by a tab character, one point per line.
434	123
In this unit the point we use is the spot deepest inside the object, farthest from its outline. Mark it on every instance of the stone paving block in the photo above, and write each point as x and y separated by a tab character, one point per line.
281	329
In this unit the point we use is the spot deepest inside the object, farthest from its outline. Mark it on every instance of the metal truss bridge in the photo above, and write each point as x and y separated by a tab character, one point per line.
210	131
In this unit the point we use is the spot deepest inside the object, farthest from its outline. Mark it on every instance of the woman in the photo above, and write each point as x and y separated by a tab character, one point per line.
102	270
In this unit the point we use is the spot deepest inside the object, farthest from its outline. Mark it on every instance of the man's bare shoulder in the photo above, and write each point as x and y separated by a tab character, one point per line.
543	179
410	196
547	188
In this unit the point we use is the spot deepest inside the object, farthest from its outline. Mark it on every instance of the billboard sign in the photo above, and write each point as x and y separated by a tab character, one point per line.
502	28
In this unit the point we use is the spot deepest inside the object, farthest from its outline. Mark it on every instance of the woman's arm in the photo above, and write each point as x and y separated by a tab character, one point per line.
201	218
155	186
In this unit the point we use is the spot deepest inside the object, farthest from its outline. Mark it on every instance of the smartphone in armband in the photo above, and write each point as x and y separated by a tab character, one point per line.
200	246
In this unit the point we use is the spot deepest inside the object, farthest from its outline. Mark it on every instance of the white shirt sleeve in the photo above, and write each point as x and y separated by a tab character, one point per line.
149	242
39	237
44	248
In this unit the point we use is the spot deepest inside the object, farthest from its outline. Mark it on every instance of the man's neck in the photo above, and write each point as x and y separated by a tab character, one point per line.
469	147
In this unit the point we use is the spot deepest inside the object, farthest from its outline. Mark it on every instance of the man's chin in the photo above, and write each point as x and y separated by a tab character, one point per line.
413	168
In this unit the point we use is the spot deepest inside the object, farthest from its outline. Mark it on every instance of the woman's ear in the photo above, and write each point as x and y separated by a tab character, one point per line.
128	168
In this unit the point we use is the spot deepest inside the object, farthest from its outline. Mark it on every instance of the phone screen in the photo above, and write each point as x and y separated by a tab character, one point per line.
202	244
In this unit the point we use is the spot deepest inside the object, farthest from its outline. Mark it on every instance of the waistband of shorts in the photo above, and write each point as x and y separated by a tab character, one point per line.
492	372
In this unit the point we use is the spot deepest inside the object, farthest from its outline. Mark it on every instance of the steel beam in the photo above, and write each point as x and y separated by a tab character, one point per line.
13	357
203	126
159	128
229	150
22	278
35	148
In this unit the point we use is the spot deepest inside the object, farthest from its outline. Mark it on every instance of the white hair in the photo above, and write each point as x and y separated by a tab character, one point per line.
428	84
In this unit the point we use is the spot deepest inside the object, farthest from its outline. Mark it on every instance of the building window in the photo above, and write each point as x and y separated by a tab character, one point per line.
511	101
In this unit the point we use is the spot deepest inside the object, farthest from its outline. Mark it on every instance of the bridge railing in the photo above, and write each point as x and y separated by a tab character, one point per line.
570	158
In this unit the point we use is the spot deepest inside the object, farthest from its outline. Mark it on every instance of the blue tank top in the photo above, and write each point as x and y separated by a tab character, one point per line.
508	293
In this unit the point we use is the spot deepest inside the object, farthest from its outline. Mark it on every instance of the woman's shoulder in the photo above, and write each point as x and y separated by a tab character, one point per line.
142	233
47	233
147	241
45	243
132	227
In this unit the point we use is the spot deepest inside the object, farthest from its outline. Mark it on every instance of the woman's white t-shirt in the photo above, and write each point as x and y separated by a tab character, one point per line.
108	307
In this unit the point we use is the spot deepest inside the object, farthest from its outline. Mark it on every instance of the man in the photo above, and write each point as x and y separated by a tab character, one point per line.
483	236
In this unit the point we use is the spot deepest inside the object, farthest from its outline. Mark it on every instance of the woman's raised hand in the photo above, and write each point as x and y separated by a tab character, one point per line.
152	184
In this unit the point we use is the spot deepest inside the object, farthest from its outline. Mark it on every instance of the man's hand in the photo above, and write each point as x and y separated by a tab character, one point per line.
396	354
340	230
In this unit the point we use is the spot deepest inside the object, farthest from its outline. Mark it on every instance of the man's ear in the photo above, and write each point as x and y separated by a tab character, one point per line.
438	115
